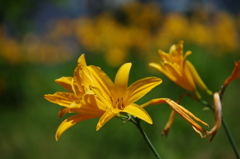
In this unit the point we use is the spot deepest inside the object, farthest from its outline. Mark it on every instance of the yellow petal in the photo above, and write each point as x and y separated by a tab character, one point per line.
82	75
78	80
65	82
92	99
75	88
197	79
176	50
164	56
87	78
167	72
106	117
154	102
139	88
90	105
99	94
187	115
139	112
187	75
174	73
184	113
102	81
62	98
81	60
121	79
66	124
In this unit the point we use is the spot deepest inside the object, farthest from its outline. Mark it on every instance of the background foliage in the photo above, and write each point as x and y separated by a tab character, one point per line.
38	46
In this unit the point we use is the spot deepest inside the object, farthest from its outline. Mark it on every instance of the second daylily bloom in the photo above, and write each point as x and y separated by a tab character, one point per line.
181	71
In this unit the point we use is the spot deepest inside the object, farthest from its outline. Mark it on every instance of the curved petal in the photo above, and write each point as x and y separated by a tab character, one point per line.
177	50
174	74
121	79
139	88
81	60
87	78
82	75
166	69
187	75
90	105
66	124
92	99
173	69
139	112
62	98
106	117
65	82
197	79
164	56
78	80
105	101
63	112
102	81
187	115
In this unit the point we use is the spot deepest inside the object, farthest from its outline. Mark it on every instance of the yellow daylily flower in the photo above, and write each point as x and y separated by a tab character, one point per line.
117	97
92	94
76	100
181	71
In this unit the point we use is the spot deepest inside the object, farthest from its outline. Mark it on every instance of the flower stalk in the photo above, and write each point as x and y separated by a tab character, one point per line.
225	126
230	138
136	121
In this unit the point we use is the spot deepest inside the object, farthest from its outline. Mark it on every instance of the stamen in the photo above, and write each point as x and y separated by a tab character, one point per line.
117	103
111	100
121	103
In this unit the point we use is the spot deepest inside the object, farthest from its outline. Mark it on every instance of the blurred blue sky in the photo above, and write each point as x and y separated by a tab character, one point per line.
41	12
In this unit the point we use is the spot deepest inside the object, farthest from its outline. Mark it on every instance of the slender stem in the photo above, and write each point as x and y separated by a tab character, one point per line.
136	122
230	138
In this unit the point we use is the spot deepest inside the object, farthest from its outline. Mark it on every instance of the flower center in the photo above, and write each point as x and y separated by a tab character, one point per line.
118	104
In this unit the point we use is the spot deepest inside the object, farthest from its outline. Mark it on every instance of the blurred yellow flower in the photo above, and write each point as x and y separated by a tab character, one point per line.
226	40
116	56
93	94
181	71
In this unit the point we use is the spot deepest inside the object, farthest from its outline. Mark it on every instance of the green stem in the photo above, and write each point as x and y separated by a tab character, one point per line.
136	122
230	138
